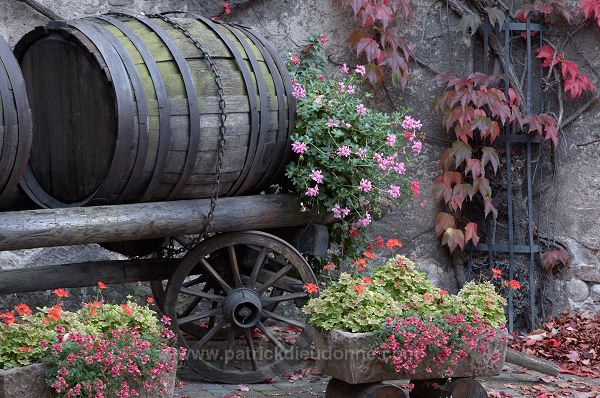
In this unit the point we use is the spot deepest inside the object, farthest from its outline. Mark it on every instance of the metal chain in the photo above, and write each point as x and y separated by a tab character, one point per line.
171	251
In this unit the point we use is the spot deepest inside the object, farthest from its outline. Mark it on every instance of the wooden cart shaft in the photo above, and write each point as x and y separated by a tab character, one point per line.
81	225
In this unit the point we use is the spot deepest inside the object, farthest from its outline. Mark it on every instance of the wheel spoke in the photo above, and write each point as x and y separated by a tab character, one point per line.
188	310
200	294
274	278
197	317
194	281
209	334
282	318
260	260
252	350
231	334
237	280
270	336
284	297
215	275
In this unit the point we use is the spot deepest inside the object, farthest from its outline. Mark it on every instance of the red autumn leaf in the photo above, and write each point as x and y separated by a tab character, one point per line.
551	133
453	238
573	87
374	73
590	7
585	81
464	133
482	185
489	207
474	166
370	47
490	155
404	6
545	52
459	193
443	221
383	14
357	5
446	158
569	68
357	36
471	233
553	258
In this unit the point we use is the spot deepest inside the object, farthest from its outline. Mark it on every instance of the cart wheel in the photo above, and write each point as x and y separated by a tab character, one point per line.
466	388
340	389
247	272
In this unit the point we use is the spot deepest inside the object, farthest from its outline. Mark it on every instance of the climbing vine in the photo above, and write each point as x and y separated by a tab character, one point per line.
376	39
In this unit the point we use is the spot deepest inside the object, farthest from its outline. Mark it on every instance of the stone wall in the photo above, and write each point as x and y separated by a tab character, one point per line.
570	211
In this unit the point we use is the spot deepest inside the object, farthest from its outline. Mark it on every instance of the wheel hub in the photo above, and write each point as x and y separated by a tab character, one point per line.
242	308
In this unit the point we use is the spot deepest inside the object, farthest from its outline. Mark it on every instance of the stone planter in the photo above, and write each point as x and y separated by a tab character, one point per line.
348	357
26	382
30	382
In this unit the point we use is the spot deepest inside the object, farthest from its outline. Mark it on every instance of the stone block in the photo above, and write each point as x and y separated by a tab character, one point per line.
588	273
120	2
26	382
578	290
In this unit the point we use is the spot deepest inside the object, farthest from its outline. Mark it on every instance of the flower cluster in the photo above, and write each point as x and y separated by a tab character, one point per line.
350	159
122	363
100	350
414	343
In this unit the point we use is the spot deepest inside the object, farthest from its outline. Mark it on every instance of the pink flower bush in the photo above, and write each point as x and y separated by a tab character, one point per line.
122	363
405	343
351	155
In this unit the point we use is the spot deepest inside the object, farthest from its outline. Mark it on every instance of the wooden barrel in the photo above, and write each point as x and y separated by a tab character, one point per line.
15	128
126	109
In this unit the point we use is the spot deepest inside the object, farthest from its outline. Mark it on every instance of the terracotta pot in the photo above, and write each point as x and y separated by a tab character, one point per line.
348	357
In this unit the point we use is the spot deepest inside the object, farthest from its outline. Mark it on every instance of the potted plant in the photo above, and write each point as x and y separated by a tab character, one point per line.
101	349
395	324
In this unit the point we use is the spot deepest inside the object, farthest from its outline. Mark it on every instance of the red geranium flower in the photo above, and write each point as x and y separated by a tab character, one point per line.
23	309
311	288
61	293
391	243
55	312
8	317
497	273
359	288
101	285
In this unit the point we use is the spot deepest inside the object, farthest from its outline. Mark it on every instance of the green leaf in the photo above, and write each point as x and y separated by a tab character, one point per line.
461	151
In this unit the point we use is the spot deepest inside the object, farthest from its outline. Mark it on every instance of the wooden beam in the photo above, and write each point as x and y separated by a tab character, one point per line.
45	11
531	362
73	226
85	274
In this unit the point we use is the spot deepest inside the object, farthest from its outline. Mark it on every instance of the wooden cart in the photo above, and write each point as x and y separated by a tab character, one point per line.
232	296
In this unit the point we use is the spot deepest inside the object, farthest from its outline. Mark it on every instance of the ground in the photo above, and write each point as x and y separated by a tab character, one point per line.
514	382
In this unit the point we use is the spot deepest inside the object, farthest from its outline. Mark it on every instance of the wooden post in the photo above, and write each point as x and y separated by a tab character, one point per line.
73	226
